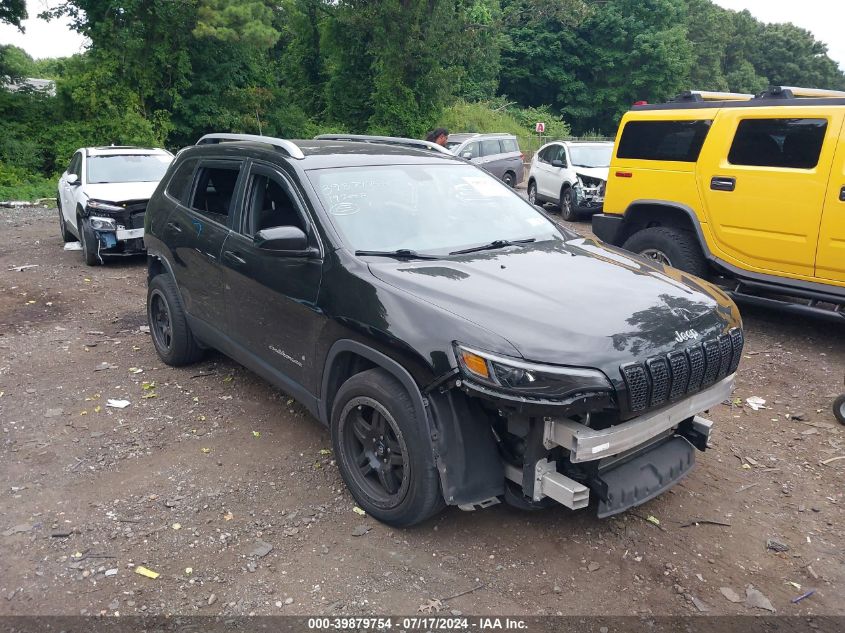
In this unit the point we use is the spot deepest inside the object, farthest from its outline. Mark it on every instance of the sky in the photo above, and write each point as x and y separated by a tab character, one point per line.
823	18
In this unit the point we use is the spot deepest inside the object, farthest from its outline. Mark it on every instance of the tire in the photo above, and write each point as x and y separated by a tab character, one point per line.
172	337
67	236
509	178
373	420
532	193
669	246
567	205
839	408
89	241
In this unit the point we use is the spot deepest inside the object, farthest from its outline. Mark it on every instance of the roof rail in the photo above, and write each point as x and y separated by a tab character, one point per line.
386	140
794	92
710	95
289	147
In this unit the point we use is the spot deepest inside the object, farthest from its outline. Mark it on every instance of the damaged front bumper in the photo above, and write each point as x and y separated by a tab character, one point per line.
624	465
589	198
118	230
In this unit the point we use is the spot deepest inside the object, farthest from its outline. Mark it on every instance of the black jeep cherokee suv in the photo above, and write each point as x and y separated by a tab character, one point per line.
462	347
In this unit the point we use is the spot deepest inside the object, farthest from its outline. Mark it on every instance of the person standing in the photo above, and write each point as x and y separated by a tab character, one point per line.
438	135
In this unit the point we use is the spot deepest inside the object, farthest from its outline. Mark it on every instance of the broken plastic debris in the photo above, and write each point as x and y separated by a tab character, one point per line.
147	386
325	451
144	328
797	599
73	246
227	379
20	269
653	519
117	404
147	396
176	526
358	510
256	434
189	571
135	370
794	584
756	403
205	450
149	573
228	516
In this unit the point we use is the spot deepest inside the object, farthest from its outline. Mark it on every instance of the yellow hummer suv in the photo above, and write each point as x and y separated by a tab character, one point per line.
748	190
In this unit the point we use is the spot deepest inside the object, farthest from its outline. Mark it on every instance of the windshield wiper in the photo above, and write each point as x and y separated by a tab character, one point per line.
402	253
493	245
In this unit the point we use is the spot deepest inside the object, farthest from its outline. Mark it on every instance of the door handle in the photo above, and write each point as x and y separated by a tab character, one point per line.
174	227
723	183
842	194
233	258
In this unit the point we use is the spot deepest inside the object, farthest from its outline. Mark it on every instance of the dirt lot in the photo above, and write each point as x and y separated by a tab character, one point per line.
209	467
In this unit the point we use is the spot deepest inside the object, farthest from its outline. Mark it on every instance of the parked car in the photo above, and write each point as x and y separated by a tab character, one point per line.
405	298
746	189
497	153
572	175
102	197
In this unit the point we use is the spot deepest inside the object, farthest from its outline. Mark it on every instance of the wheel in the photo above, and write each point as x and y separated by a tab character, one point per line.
172	337
90	243
382	450
567	205
67	236
532	193
669	246
509	179
839	408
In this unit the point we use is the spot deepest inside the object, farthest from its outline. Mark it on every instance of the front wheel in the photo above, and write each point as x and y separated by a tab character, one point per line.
90	243
670	247
532	193
567	205
839	408
382	450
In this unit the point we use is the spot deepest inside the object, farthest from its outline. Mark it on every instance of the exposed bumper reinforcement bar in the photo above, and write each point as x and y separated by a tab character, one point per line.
550	483
586	444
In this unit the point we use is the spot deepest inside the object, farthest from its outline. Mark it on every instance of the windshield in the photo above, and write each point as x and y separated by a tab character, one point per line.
127	167
591	155
431	209
452	144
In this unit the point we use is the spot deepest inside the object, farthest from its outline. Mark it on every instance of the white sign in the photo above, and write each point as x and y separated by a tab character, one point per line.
540	127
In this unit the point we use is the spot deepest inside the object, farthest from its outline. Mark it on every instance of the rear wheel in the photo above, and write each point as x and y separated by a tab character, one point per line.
509	179
382	450
172	337
67	236
532	193
839	408
669	246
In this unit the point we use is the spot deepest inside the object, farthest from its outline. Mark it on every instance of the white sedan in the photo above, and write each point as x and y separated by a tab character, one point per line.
103	197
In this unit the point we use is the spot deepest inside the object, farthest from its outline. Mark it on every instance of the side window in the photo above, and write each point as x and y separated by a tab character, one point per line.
75	166
490	147
270	203
470	151
663	140
509	145
558	153
545	154
178	186
214	188
792	143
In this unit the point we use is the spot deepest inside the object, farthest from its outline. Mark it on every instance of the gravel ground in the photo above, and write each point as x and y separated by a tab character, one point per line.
225	487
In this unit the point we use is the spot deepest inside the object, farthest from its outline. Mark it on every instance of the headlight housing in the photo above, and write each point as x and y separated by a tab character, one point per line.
102	224
518	377
100	205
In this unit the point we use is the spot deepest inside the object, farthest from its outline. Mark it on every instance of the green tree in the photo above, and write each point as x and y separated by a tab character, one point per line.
13	12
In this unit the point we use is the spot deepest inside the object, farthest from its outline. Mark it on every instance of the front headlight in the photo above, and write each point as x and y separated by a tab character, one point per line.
528	379
102	224
100	205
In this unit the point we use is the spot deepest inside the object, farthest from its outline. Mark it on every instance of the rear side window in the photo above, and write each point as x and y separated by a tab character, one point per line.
793	143
490	147
177	188
509	145
214	189
663	140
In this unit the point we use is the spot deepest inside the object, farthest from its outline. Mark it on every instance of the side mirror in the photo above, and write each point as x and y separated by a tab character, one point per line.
466	155
558	163
282	238
72	179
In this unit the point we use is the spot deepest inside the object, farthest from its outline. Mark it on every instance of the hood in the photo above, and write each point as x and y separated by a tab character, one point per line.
121	191
569	303
592	172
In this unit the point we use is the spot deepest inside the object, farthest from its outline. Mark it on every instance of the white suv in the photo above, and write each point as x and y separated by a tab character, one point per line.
572	175
103	196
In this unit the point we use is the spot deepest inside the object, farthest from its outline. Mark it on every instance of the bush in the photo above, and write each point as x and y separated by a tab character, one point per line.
19	184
